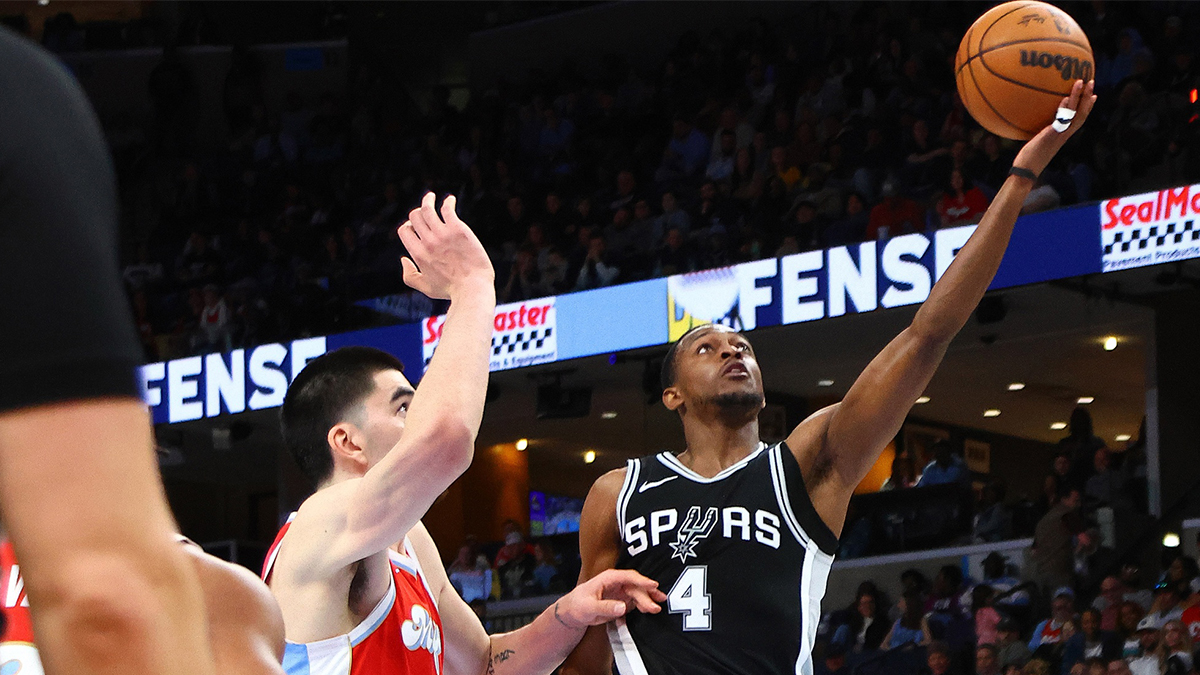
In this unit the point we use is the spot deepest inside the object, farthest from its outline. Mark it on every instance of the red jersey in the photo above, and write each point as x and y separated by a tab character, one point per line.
17	653
401	636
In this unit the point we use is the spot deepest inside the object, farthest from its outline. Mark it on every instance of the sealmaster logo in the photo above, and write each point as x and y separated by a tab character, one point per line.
524	334
1150	228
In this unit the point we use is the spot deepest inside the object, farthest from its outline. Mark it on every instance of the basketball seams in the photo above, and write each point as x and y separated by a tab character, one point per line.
1023	84
983	35
983	97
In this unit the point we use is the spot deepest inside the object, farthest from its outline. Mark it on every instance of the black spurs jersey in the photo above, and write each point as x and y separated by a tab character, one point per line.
743	557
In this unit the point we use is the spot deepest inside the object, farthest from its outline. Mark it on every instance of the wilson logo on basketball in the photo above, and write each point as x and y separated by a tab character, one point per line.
1069	67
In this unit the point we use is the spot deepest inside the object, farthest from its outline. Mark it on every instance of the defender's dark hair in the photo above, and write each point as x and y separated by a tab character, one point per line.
667	377
321	396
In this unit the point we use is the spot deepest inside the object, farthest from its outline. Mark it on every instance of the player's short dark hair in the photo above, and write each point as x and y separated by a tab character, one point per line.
668	374
320	397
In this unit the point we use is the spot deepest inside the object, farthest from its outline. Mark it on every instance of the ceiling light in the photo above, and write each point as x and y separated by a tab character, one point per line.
1121	438
1171	540
991	412
608	415
1058	426
923	399
43	3
589	456
1110	343
824	383
1016	386
1084	400
522	444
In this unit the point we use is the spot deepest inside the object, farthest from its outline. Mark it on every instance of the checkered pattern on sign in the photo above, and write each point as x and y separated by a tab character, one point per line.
521	341
1141	238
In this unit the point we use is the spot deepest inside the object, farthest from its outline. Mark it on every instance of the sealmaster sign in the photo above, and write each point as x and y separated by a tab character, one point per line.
524	334
1151	228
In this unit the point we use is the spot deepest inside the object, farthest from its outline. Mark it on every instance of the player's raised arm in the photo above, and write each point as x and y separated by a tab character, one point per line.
846	440
363	516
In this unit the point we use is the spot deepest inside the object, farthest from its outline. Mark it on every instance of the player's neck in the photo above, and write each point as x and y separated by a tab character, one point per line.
713	446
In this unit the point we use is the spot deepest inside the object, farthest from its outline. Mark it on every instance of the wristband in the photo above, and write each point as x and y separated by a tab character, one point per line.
1023	173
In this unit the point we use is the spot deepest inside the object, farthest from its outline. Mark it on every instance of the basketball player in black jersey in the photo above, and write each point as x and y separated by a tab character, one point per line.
743	534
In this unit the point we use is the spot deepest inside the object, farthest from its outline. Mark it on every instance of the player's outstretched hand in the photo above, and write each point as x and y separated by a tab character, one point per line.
446	256
606	596
1073	112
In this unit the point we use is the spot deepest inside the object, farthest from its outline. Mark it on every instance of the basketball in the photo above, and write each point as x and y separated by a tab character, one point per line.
1016	63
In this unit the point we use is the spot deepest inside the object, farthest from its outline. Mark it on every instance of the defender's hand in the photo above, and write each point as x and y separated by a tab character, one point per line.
446	254
1040	149
606	596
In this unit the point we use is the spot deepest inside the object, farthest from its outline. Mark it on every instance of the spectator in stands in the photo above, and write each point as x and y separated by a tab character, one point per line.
470	574
676	255
1132	580
1149	659
1092	557
852	227
524	280
596	271
947	467
1089	642
806	226
1080	445
144	273
948	619
996	575
1176	649
213	330
720	167
926	162
865	624
514	563
1166	607
1053	543
1050	631
1119	667
911	627
959	203
1191	615
1181	571
895	214
985	615
1036	666
1109	601
673	216
1105	486
834	662
993	520
1091	666
987	660
545	572
1131	616
686	156
1011	650
990	166
904	474
939	659
783	168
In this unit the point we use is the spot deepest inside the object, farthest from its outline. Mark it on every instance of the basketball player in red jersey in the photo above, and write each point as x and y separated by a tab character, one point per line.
245	628
776	511
359	580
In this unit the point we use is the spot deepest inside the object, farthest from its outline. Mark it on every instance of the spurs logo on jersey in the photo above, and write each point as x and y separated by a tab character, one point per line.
693	532
699	536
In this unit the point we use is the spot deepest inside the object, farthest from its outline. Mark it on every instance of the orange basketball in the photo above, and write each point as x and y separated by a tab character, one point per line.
1017	62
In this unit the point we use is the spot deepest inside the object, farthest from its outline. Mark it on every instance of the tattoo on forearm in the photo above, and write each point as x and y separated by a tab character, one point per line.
499	658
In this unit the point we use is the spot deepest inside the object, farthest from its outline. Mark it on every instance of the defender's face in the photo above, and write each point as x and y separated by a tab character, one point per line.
714	362
385	411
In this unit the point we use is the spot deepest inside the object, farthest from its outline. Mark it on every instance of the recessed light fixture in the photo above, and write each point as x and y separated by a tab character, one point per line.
522	444
1121	438
824	383
922	399
1084	400
1171	540
991	412
608	415
43	3
1016	386
589	456
1110	343
1058	426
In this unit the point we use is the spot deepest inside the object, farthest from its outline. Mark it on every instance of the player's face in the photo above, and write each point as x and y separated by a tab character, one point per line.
717	363
386	409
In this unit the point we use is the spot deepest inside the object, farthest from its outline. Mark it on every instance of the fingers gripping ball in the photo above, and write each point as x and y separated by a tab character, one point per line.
1016	63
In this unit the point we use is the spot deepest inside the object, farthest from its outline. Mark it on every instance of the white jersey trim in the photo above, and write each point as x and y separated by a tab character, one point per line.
409	562
633	469
625	652
672	462
778	478
275	553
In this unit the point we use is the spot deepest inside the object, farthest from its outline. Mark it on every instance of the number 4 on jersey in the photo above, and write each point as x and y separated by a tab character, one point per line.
689	597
